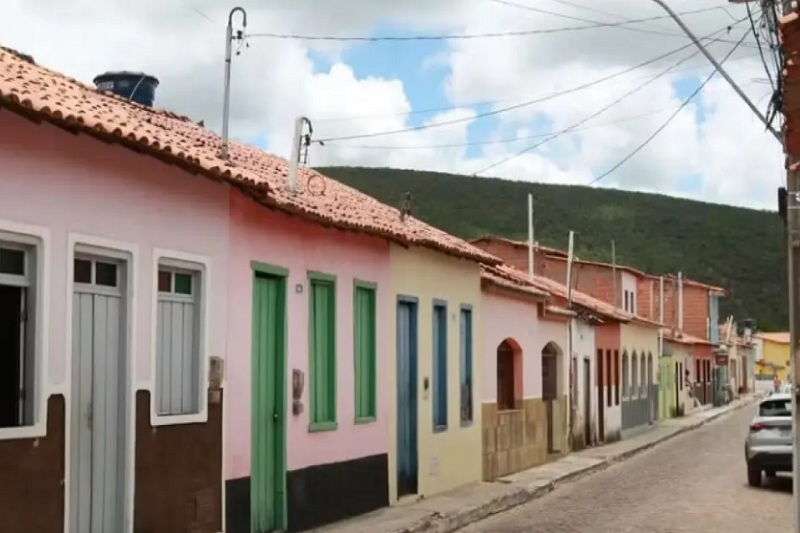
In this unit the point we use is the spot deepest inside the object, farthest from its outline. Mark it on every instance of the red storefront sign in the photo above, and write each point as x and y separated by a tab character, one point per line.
721	359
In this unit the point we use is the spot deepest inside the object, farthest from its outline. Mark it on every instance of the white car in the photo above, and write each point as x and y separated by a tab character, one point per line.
768	447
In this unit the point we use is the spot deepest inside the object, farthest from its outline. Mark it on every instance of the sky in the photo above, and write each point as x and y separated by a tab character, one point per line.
453	93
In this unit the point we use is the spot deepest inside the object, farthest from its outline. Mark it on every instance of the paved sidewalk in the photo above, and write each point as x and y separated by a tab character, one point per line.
450	511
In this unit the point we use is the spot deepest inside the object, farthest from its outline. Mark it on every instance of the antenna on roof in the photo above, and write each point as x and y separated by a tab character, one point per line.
226	105
300	142
405	205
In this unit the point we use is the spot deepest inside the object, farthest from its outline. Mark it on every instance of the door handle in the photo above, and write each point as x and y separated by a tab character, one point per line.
275	416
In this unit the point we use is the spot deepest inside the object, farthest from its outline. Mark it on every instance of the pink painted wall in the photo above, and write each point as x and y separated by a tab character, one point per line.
507	316
273	238
73	183
557	332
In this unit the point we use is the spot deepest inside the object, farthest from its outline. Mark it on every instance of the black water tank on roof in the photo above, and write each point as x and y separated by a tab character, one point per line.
136	86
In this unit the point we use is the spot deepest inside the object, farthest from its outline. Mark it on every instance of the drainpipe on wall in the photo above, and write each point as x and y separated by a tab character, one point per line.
680	301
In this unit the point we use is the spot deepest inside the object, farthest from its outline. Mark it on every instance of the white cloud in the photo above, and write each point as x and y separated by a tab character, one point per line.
274	81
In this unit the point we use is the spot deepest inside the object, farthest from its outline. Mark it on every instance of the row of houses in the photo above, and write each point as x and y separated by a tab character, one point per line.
189	345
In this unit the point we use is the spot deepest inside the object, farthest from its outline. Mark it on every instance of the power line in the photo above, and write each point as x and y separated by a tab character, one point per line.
758	42
617	15
509	140
516	106
501	141
587	119
432	110
455	36
621	27
200	13
666	123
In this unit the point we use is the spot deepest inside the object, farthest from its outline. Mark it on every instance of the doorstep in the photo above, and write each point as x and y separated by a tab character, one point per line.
450	511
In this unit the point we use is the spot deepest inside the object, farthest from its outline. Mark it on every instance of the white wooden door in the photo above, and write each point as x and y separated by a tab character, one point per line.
98	401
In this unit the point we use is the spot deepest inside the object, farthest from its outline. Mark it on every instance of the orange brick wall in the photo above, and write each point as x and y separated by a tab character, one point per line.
598	281
695	311
695	306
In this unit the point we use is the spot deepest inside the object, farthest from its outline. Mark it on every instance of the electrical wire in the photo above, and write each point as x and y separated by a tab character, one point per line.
659	31
665	124
760	49
454	36
432	110
198	12
588	118
507	140
516	106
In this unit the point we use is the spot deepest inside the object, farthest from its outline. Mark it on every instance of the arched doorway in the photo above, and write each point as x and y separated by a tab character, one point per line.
509	375
551	391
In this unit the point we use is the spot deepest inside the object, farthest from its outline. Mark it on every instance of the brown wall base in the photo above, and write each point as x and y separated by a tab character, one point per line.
178	473
513	440
32	476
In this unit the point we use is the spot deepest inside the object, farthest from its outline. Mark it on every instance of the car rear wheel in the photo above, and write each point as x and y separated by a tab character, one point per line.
753	476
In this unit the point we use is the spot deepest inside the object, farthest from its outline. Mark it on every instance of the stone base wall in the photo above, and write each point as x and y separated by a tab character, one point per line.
514	440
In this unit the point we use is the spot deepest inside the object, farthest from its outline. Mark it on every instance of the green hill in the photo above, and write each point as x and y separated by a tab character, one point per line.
739	249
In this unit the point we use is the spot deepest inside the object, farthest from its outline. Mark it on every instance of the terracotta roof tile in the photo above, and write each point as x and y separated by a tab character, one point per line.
559	290
502	277
563	311
780	337
684	338
35	91
518	244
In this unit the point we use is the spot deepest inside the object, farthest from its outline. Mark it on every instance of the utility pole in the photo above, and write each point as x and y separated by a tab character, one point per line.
226	104
793	231
718	67
572	369
531	242
793	270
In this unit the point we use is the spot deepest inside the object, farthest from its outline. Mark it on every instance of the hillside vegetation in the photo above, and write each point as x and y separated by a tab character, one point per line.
739	249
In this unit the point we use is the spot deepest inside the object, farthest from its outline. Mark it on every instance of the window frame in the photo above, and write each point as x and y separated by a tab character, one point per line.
469	367
373	392
323	425
435	371
626	365
200	266
616	377
37	275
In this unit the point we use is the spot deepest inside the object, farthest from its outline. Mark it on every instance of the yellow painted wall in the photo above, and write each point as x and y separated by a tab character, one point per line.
642	340
681	353
777	353
450	458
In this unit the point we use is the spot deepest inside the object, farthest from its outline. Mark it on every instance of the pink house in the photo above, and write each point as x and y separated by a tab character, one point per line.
525	341
187	344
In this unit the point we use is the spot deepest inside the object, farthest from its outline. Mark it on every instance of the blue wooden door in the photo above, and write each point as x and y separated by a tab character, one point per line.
406	398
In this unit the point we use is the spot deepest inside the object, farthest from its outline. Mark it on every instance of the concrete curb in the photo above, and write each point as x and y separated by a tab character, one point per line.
447	523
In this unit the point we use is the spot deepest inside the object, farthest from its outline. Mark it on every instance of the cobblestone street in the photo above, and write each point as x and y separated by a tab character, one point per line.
694	483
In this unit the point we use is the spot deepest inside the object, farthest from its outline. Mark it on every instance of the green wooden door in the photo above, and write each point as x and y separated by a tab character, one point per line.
268	469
